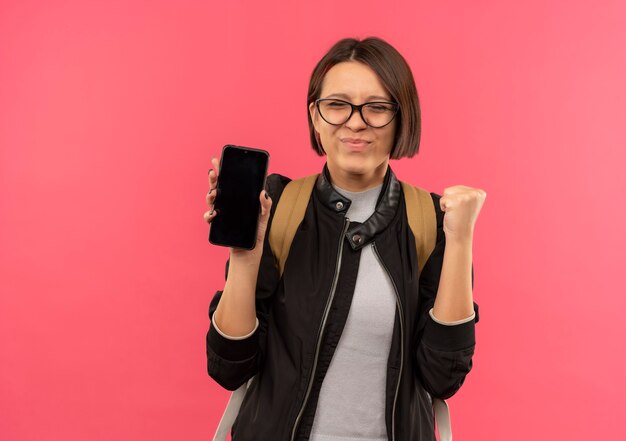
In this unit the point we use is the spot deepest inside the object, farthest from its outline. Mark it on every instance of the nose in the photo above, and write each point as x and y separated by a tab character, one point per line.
355	122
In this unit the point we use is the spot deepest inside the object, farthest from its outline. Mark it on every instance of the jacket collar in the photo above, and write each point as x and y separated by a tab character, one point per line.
361	234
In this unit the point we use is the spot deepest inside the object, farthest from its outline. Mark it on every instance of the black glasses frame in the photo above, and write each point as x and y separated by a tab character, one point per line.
356	107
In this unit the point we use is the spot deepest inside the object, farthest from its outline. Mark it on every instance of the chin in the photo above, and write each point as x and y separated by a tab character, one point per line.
356	165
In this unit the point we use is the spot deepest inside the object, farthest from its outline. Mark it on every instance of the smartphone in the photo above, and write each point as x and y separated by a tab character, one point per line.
239	183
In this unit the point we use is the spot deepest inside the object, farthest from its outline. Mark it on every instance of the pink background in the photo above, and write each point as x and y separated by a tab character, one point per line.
110	112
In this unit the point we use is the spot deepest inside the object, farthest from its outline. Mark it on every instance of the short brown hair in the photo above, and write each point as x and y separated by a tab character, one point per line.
396	76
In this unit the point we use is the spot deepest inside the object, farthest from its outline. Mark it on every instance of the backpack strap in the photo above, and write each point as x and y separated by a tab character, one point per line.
288	216
442	417
422	218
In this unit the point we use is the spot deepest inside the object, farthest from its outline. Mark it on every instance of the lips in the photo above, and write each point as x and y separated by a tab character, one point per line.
355	142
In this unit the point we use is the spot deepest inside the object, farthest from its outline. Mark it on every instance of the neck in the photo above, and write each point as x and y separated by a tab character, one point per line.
357	181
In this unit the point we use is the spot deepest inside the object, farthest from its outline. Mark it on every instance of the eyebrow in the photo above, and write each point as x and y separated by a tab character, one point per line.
347	98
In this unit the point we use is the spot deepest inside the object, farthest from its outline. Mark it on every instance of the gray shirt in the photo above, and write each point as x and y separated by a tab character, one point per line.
351	404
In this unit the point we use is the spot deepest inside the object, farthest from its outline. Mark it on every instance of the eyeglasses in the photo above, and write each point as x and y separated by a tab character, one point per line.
375	114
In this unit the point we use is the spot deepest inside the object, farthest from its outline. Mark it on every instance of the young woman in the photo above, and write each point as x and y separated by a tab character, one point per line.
350	342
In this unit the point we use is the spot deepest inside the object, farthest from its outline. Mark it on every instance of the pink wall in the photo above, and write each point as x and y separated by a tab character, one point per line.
110	111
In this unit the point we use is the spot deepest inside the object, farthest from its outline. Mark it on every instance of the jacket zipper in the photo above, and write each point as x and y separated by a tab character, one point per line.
322	326
395	289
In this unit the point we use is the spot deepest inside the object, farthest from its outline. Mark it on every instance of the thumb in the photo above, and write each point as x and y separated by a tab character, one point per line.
266	205
442	203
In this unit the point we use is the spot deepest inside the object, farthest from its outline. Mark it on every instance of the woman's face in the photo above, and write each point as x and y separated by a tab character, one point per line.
354	148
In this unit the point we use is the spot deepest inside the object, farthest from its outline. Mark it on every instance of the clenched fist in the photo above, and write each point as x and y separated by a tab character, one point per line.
461	205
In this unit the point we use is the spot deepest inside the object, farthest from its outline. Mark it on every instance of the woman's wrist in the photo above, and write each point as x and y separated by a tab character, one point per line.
248	263
464	241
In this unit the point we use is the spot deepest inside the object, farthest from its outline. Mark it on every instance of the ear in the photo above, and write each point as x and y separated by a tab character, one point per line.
314	118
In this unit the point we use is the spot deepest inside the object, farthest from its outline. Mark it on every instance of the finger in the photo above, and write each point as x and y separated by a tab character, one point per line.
266	205
210	196
214	172
451	190
479	195
445	203
455	189
212	178
209	215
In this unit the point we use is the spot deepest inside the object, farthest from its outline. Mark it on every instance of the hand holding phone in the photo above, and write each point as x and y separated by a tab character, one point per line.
240	208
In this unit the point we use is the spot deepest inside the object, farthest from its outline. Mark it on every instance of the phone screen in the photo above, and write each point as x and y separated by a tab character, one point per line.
240	181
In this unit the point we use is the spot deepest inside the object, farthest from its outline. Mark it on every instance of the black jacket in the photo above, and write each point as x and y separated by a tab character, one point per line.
302	314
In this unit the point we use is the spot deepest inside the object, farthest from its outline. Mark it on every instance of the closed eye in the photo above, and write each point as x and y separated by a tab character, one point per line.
336	104
380	108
